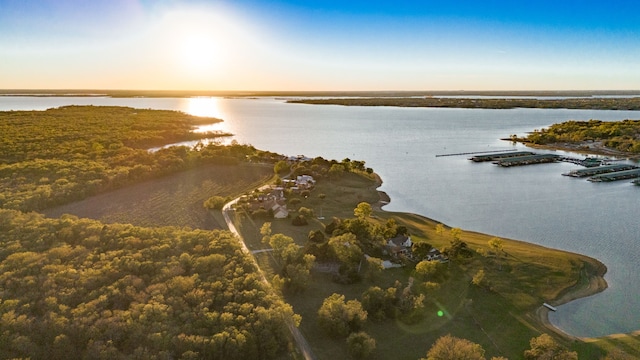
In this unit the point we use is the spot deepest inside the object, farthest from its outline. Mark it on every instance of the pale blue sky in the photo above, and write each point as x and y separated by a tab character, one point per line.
320	45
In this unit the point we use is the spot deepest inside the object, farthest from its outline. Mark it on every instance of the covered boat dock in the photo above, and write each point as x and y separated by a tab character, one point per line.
615	176
528	160
504	155
600	170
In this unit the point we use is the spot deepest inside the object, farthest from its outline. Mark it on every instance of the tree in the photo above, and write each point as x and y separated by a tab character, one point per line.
299	220
421	249
426	269
338	318
544	347
299	274
265	231
363	210
281	167
378	303
345	248
316	236
452	348
440	229
360	345
306	212
279	243
374	268
215	202
456	233
478	278
495	243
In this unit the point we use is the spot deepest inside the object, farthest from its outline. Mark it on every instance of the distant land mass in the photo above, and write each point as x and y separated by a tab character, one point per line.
366	94
571	102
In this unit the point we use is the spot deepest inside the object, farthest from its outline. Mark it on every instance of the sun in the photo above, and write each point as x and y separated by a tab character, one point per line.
199	53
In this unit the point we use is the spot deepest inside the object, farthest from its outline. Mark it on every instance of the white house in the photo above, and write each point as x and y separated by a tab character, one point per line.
400	240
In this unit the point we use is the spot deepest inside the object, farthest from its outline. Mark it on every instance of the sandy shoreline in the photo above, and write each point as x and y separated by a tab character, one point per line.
591	280
592	284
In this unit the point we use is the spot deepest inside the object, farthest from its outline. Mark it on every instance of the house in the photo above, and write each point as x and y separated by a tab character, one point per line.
400	246
400	240
434	254
298	158
302	182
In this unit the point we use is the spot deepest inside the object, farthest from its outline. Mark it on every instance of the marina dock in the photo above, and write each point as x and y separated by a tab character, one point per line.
596	169
615	176
527	160
599	170
498	156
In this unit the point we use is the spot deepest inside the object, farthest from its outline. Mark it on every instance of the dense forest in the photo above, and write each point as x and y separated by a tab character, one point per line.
60	155
592	103
76	288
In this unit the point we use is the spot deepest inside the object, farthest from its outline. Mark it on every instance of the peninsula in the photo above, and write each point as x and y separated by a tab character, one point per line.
132	273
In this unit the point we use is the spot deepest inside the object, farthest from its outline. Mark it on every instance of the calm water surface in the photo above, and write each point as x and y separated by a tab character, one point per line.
531	203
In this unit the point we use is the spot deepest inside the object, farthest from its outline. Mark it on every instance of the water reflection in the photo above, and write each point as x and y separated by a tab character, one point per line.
203	106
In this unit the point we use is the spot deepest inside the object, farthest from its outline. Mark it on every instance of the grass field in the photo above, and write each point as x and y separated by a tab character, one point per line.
174	200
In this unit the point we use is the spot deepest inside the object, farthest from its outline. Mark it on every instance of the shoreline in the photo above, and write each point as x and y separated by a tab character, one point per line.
593	284
591	281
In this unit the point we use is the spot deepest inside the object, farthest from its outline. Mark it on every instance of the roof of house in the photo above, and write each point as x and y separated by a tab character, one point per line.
399	240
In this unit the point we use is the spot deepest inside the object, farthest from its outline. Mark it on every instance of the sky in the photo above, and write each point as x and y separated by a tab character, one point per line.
286	45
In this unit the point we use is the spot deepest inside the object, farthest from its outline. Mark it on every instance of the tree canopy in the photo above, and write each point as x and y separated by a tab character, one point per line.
76	288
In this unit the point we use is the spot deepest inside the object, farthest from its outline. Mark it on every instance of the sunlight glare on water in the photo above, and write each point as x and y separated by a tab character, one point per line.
204	107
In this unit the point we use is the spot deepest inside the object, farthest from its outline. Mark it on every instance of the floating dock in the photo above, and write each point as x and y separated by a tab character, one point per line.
600	170
615	176
528	160
502	155
550	307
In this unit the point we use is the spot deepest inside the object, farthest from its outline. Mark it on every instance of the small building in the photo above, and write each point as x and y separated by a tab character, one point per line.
280	211
400	246
434	254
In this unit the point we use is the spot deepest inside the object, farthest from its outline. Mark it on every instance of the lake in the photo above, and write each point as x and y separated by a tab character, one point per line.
531	203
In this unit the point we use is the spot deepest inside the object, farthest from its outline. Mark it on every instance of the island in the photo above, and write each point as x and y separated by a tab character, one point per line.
110	250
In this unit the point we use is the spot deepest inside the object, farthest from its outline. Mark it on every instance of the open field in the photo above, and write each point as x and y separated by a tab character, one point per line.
174	200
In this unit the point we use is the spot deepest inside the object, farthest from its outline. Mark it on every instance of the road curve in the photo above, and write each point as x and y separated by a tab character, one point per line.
301	342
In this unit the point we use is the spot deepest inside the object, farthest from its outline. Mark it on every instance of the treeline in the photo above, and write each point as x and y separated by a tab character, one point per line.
630	103
78	289
622	136
60	155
